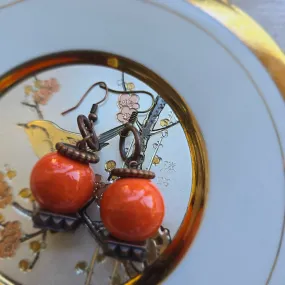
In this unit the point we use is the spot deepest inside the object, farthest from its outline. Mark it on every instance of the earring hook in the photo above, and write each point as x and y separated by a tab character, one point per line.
134	92
102	84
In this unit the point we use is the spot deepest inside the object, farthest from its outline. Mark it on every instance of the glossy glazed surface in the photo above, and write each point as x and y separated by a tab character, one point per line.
132	209
61	185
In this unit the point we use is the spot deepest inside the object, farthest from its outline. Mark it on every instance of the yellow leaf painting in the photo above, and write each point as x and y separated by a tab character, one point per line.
43	136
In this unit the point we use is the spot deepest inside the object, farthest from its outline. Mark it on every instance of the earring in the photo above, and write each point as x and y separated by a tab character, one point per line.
62	182
132	208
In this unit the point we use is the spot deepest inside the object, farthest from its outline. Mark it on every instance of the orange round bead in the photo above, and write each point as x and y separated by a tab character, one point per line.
61	185
132	209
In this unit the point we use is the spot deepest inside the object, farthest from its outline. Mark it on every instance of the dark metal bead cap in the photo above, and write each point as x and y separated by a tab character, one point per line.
74	153
132	173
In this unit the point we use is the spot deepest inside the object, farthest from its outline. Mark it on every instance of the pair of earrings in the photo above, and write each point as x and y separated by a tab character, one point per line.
64	185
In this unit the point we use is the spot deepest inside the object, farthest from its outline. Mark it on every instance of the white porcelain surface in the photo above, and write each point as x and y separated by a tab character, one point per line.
237	106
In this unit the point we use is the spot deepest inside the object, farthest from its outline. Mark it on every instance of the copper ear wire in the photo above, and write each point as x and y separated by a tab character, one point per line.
134	92
89	138
101	84
104	86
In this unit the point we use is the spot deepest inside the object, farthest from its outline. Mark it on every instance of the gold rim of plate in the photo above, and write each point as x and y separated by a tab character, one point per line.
251	34
261	44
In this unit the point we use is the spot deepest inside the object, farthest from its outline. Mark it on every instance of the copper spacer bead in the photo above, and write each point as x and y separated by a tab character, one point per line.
74	153
132	173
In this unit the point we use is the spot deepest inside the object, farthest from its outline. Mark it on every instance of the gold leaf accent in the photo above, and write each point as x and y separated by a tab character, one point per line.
11	174
2	218
164	122
130	86
110	165
28	90
37	84
81	267
25	193
156	160
24	265
113	62
113	178
35	246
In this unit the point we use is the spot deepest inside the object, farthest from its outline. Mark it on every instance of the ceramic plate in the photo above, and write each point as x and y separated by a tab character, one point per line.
216	144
